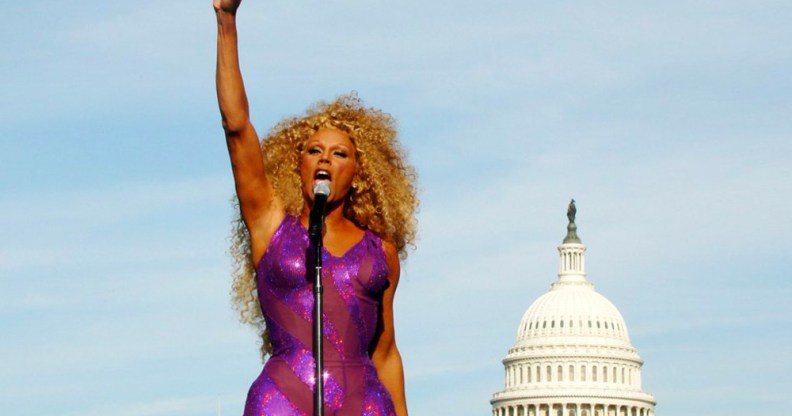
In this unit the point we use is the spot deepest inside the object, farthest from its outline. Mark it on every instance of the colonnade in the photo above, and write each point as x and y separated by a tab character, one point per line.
572	260
572	409
520	374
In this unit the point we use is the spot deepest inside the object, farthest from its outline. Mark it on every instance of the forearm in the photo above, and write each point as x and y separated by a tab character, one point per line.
391	372
253	188
230	88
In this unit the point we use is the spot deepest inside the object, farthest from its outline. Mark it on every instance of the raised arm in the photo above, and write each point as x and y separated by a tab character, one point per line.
261	210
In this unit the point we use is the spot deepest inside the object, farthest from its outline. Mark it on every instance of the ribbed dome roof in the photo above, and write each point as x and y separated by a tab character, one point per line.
572	310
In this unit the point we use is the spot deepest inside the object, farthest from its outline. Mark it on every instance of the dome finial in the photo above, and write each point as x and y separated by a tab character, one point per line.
572	236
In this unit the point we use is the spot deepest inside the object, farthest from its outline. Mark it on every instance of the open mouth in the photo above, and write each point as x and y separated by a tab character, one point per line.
321	175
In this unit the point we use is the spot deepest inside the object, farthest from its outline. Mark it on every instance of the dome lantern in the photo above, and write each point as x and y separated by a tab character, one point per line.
572	250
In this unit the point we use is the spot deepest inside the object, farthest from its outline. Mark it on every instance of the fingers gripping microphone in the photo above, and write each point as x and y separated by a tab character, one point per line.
321	192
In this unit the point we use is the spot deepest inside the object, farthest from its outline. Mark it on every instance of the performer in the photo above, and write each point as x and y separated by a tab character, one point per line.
369	223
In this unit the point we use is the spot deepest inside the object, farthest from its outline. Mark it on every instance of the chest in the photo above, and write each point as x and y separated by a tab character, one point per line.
289	265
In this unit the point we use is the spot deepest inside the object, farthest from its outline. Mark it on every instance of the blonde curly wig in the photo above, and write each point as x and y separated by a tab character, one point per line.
383	199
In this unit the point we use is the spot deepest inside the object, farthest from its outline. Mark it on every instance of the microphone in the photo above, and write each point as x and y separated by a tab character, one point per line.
316	219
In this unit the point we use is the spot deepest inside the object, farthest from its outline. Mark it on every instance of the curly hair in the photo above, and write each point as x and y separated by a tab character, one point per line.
383	198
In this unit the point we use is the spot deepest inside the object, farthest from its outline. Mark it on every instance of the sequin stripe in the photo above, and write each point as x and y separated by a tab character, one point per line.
302	365
339	308
265	398
351	375
298	394
374	278
359	245
378	401
345	314
275	240
368	289
359	330
285	317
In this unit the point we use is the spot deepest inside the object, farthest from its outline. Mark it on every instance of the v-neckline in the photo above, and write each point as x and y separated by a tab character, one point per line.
326	250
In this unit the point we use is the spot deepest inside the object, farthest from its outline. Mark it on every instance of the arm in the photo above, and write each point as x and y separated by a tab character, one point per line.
385	354
260	208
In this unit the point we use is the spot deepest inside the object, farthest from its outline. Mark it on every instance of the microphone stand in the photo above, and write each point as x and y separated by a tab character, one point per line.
315	235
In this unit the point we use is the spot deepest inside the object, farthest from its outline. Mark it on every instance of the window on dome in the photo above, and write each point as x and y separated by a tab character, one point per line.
528	373
614	374
598	324
571	323
552	324
544	324
530	325
571	373
594	373
562	323
538	374
560	374
605	374
589	323
549	374
583	373
622	379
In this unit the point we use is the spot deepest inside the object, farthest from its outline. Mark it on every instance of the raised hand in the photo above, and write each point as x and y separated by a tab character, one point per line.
228	6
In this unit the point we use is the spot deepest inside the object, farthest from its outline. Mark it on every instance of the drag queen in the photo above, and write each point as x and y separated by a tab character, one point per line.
369	225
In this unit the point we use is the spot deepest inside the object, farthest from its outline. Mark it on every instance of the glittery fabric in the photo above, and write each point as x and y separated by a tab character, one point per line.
353	287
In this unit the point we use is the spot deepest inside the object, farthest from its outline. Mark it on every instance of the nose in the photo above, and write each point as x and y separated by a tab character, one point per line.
325	157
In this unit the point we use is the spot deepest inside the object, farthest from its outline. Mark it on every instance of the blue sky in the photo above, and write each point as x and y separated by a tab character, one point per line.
669	123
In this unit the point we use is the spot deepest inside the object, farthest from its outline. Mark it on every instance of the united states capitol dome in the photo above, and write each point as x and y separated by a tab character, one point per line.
572	355
570	311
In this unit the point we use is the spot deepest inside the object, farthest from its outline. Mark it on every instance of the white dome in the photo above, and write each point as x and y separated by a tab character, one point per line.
572	355
575	313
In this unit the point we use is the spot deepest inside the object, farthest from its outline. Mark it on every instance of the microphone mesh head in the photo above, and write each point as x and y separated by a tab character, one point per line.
322	188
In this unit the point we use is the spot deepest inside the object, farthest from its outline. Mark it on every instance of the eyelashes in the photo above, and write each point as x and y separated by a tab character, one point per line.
315	151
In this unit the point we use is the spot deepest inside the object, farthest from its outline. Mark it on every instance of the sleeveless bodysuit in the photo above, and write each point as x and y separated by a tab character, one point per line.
353	287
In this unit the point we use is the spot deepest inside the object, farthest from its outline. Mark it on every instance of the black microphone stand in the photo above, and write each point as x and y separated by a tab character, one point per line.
315	226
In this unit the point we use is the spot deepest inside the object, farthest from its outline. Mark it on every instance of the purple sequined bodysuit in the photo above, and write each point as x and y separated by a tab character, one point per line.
353	287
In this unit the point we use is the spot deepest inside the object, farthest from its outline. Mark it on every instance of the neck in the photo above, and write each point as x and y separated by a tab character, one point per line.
334	214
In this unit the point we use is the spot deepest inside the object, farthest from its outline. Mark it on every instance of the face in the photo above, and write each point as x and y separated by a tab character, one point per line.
328	155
